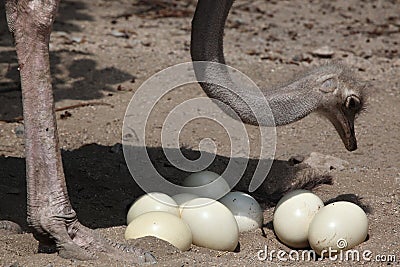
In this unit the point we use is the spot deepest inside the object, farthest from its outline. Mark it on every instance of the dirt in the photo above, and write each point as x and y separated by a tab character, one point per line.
102	51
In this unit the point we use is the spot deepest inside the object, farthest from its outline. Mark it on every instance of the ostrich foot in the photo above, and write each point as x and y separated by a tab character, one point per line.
81	243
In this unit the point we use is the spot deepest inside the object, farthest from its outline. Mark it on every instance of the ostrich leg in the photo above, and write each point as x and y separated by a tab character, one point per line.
50	214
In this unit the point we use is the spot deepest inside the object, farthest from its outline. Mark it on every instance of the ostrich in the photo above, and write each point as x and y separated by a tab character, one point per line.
330	90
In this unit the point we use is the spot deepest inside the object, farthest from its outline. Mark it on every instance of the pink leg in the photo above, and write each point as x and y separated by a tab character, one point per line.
50	214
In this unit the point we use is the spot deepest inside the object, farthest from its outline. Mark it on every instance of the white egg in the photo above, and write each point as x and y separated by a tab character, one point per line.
340	225
152	202
162	225
293	215
212	224
182	198
245	209
206	184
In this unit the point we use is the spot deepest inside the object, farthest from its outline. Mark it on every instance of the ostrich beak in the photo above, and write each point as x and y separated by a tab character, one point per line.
344	125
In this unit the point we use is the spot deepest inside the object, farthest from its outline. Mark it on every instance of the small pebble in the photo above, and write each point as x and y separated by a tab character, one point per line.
325	162
19	130
117	148
323	52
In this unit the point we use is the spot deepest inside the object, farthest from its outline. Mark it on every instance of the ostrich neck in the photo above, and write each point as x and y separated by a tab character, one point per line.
287	103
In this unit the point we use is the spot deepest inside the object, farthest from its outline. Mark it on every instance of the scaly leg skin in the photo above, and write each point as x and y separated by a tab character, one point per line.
50	215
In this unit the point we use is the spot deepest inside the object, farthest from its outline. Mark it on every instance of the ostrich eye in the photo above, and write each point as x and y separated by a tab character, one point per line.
353	103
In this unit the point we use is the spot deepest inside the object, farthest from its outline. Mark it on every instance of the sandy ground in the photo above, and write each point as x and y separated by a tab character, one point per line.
267	40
